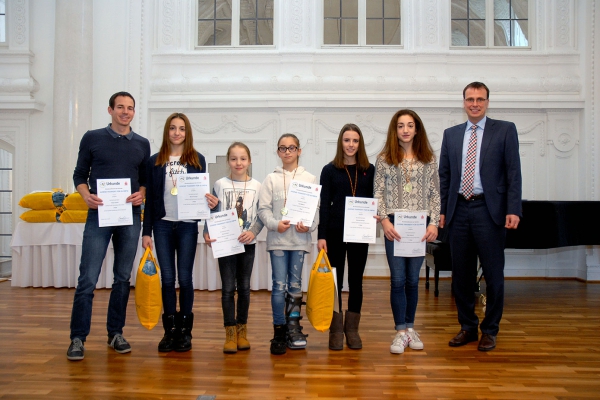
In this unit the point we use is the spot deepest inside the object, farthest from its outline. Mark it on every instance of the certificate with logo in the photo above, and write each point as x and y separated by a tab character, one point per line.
360	226
302	201
115	211
411	225
191	196
224	227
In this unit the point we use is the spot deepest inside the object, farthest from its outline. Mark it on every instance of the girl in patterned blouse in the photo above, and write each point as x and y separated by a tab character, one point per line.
406	179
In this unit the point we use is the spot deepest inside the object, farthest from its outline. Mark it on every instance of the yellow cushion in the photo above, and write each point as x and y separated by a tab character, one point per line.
40	216
74	201
43	200
70	216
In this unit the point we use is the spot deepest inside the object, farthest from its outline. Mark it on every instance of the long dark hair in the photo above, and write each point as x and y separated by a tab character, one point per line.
393	153
189	156
362	160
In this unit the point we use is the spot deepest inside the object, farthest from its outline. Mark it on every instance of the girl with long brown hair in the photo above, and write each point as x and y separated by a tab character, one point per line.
171	234
406	179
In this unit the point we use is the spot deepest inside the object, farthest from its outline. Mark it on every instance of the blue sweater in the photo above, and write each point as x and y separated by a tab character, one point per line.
104	154
155	201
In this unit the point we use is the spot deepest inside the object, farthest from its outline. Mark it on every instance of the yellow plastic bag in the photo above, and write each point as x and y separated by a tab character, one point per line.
321	293
148	295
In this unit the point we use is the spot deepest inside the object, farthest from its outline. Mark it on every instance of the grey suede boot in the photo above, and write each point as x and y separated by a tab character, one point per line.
336	332
351	330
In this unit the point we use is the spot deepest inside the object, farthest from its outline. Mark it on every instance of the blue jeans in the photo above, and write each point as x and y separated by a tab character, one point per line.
93	250
180	237
404	294
286	266
236	270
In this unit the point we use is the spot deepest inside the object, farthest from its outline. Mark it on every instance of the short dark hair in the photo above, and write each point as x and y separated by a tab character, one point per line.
476	85
111	101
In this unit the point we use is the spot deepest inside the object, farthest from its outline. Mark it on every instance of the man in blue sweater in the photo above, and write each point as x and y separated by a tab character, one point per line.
113	152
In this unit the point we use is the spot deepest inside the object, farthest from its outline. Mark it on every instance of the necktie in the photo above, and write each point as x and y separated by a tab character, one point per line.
469	175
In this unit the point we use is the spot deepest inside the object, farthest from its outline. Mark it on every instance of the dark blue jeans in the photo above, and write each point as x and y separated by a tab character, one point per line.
93	250
180	237
236	270
404	293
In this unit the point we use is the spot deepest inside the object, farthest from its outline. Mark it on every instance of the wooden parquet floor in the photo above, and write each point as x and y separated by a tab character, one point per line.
548	348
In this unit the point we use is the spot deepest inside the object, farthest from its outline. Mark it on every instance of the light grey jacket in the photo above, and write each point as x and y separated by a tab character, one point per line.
271	199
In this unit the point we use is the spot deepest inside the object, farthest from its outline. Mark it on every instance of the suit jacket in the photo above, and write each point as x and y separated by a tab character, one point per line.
499	169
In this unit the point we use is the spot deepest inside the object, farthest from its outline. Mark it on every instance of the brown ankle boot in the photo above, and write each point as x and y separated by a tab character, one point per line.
336	332
351	330
242	342
230	345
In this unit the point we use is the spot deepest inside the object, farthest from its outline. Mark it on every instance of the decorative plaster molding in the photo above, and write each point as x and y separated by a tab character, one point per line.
563	21
399	84
18	17
592	108
295	22
530	128
168	13
431	22
8	137
230	123
320	123
19	85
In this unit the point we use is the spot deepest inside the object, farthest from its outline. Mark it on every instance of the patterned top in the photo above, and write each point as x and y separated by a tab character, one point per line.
425	193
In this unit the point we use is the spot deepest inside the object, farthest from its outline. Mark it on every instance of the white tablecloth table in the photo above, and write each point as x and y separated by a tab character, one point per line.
48	255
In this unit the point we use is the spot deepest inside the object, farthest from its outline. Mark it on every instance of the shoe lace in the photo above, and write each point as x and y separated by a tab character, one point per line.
119	340
241	331
231	334
414	336
401	339
77	345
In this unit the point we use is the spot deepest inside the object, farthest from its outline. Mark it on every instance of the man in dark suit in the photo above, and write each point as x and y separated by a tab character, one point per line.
480	188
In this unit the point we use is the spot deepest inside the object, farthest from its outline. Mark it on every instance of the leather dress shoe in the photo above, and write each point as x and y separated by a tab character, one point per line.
462	338
487	342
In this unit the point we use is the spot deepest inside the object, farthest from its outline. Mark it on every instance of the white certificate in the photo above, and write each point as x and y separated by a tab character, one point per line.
411	225
191	199
225	228
302	202
359	224
115	211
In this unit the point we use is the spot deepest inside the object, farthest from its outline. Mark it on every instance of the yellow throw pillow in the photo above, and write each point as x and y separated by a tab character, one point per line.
74	201
43	200
74	216
40	216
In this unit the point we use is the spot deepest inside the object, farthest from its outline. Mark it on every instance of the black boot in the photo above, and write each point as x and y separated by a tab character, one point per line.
278	346
184	328
167	343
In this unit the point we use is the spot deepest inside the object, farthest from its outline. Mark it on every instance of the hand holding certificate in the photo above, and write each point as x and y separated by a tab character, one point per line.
191	196
359	224
224	228
115	210
411	225
302	201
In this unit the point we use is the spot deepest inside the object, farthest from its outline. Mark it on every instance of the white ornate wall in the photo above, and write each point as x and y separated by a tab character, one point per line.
147	48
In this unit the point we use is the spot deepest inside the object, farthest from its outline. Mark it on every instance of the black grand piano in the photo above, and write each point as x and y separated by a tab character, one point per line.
545	225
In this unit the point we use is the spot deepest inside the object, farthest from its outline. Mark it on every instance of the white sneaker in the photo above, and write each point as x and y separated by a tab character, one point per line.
399	343
415	341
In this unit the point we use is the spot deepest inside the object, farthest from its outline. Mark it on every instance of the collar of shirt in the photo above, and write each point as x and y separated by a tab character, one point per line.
480	125
114	134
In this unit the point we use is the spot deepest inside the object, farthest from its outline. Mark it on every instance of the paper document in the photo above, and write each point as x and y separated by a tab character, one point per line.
225	228
191	199
302	201
360	226
411	225
115	211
